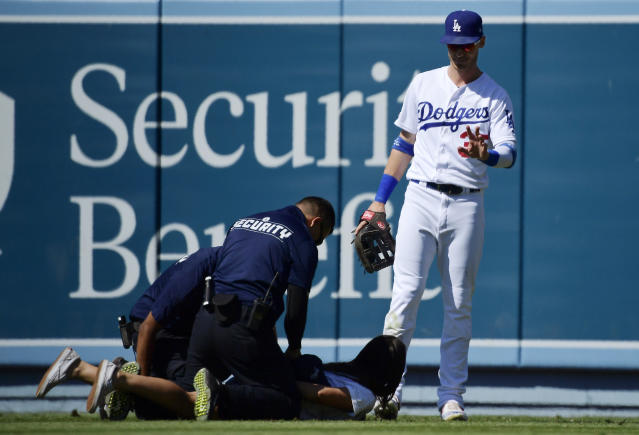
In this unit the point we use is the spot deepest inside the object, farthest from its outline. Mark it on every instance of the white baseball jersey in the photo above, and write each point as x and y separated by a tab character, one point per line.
437	111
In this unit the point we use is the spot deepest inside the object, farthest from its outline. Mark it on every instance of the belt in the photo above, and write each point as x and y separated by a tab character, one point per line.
448	189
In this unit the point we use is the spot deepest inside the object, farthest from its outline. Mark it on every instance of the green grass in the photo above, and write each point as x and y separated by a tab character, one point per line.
84	423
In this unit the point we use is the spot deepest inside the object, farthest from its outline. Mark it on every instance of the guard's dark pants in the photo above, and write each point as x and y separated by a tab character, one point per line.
266	387
169	362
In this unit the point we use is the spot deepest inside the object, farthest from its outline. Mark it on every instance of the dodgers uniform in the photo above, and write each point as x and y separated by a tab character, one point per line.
442	223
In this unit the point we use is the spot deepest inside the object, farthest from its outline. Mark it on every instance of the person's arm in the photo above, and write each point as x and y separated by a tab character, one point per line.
146	342
400	155
398	161
334	397
295	320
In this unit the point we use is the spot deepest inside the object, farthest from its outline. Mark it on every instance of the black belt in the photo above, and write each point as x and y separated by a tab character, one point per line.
448	189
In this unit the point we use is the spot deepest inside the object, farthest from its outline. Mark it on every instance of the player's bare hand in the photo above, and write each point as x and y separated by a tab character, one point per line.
375	206
476	146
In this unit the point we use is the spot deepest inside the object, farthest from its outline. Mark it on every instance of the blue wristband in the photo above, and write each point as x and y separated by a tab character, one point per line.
406	147
385	189
493	158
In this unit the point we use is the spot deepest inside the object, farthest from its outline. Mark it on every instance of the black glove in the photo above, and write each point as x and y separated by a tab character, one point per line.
374	243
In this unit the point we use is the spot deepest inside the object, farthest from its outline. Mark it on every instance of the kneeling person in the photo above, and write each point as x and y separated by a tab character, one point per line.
162	319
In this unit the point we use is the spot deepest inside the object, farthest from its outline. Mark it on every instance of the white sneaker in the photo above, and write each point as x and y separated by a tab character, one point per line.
387	410
102	386
453	411
58	372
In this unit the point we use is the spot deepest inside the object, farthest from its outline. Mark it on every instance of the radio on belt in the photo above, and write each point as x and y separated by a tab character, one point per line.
260	309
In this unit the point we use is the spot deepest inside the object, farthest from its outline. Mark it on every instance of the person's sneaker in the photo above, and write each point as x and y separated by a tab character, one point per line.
119	361
387	410
102	385
58	372
207	390
117	404
453	411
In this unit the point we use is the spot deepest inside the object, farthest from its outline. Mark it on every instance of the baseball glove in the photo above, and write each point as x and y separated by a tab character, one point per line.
374	243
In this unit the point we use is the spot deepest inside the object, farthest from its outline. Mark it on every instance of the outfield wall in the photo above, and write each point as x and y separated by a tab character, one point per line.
125	123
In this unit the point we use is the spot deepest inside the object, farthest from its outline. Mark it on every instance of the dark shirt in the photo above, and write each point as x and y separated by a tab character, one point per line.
260	245
176	296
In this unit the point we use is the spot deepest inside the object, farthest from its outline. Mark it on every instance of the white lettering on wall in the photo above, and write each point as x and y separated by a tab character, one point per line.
204	150
298	101
217	154
190	241
7	146
86	289
322	255
335	106
88	245
380	73
100	113
260	133
141	124
334	109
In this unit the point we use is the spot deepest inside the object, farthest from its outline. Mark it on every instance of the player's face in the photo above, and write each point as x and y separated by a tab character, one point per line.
464	56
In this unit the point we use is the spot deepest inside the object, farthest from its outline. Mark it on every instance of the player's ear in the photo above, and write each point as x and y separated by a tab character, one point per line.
313	221
482	42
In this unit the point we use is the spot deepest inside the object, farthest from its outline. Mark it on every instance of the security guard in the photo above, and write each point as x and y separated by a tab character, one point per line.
263	256
165	313
160	328
162	319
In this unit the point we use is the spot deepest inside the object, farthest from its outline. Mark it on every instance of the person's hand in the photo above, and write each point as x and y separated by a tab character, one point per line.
375	206
292	353
475	148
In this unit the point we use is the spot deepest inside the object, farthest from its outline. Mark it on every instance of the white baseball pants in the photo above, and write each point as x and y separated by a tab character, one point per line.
452	228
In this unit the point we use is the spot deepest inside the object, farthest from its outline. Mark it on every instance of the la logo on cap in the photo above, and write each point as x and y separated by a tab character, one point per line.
462	27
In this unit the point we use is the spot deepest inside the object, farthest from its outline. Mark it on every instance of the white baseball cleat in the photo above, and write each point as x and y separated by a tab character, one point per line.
102	386
387	410
453	411
58	372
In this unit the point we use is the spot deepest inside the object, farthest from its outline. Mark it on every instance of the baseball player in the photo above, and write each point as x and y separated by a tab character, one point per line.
455	122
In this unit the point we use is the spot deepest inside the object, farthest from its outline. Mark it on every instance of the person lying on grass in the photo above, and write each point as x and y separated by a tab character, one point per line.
347	390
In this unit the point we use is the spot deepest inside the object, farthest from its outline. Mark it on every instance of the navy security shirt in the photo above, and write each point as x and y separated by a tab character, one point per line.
258	246
176	296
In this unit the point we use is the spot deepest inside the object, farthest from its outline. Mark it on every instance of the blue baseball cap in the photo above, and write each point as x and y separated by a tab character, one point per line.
462	27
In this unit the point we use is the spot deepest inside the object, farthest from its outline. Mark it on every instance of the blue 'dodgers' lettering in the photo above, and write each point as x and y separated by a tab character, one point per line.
452	117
